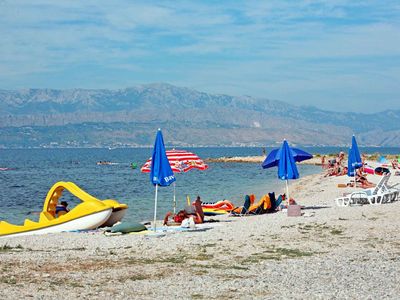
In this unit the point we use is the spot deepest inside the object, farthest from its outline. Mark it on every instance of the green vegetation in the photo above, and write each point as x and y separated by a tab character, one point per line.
276	254
8	280
7	248
177	259
138	277
320	229
78	249
336	232
75	284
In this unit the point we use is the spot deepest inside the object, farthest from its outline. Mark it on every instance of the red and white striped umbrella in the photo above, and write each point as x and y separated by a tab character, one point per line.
181	161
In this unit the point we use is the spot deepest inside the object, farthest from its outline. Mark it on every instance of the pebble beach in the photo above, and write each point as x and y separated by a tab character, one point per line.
329	252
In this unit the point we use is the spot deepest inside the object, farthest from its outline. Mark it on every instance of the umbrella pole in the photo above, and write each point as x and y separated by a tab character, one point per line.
174	199
287	191
155	209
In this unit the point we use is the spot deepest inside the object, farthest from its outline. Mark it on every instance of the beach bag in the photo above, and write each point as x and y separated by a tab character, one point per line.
188	223
185	223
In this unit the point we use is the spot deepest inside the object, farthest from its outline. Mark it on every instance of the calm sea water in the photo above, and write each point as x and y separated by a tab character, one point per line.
34	171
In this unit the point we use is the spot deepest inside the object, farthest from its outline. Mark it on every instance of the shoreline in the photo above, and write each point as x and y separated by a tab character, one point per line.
316	160
265	256
259	159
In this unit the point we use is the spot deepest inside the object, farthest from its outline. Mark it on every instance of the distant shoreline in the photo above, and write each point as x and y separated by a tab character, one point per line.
259	159
316	160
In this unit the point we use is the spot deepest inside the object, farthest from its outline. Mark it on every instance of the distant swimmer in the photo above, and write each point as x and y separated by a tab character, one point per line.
104	162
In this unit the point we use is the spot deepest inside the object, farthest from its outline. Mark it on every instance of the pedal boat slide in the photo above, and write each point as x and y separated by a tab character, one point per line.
91	213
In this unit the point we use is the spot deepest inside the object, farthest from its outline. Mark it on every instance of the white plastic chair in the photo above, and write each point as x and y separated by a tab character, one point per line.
376	195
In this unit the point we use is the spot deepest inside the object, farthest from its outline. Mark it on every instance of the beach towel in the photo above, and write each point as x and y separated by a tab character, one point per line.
128	227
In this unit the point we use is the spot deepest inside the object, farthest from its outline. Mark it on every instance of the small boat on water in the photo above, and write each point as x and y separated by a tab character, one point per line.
90	214
105	163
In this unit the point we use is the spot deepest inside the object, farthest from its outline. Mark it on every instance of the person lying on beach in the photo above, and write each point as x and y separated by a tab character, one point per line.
182	215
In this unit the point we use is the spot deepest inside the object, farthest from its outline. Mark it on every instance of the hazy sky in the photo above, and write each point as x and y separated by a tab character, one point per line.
340	55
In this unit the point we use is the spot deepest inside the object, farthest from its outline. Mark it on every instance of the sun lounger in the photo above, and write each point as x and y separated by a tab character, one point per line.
262	206
377	195
242	210
395	192
363	197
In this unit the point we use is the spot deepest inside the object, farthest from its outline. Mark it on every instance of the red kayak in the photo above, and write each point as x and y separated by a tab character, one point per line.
220	205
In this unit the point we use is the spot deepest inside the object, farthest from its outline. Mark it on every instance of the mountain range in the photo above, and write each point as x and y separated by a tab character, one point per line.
130	117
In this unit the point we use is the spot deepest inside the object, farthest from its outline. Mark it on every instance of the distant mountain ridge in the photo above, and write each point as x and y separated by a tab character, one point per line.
129	117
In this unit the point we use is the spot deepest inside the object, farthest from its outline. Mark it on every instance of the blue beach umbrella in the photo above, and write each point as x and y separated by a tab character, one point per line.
272	159
354	147
354	160
351	171
285	159
161	173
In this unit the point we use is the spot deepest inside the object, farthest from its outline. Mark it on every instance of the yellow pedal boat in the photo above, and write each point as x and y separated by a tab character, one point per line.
89	214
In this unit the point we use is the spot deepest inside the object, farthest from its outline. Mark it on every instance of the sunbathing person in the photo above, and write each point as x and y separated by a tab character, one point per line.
361	178
199	209
395	164
334	171
343	171
182	215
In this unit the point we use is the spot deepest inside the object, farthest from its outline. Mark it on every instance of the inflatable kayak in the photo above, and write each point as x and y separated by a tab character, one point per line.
89	214
217	208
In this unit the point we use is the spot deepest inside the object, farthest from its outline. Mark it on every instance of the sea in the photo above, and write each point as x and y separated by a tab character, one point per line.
31	173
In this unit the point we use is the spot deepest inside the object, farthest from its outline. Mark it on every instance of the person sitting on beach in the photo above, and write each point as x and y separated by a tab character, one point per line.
395	164
199	208
343	171
62	209
331	163
340	157
361	178
334	171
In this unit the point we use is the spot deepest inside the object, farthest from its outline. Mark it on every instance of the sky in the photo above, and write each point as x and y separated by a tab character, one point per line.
334	55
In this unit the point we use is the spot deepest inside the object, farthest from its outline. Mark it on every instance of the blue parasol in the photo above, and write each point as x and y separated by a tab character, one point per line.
354	160
287	168
272	159
354	147
161	172
285	159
